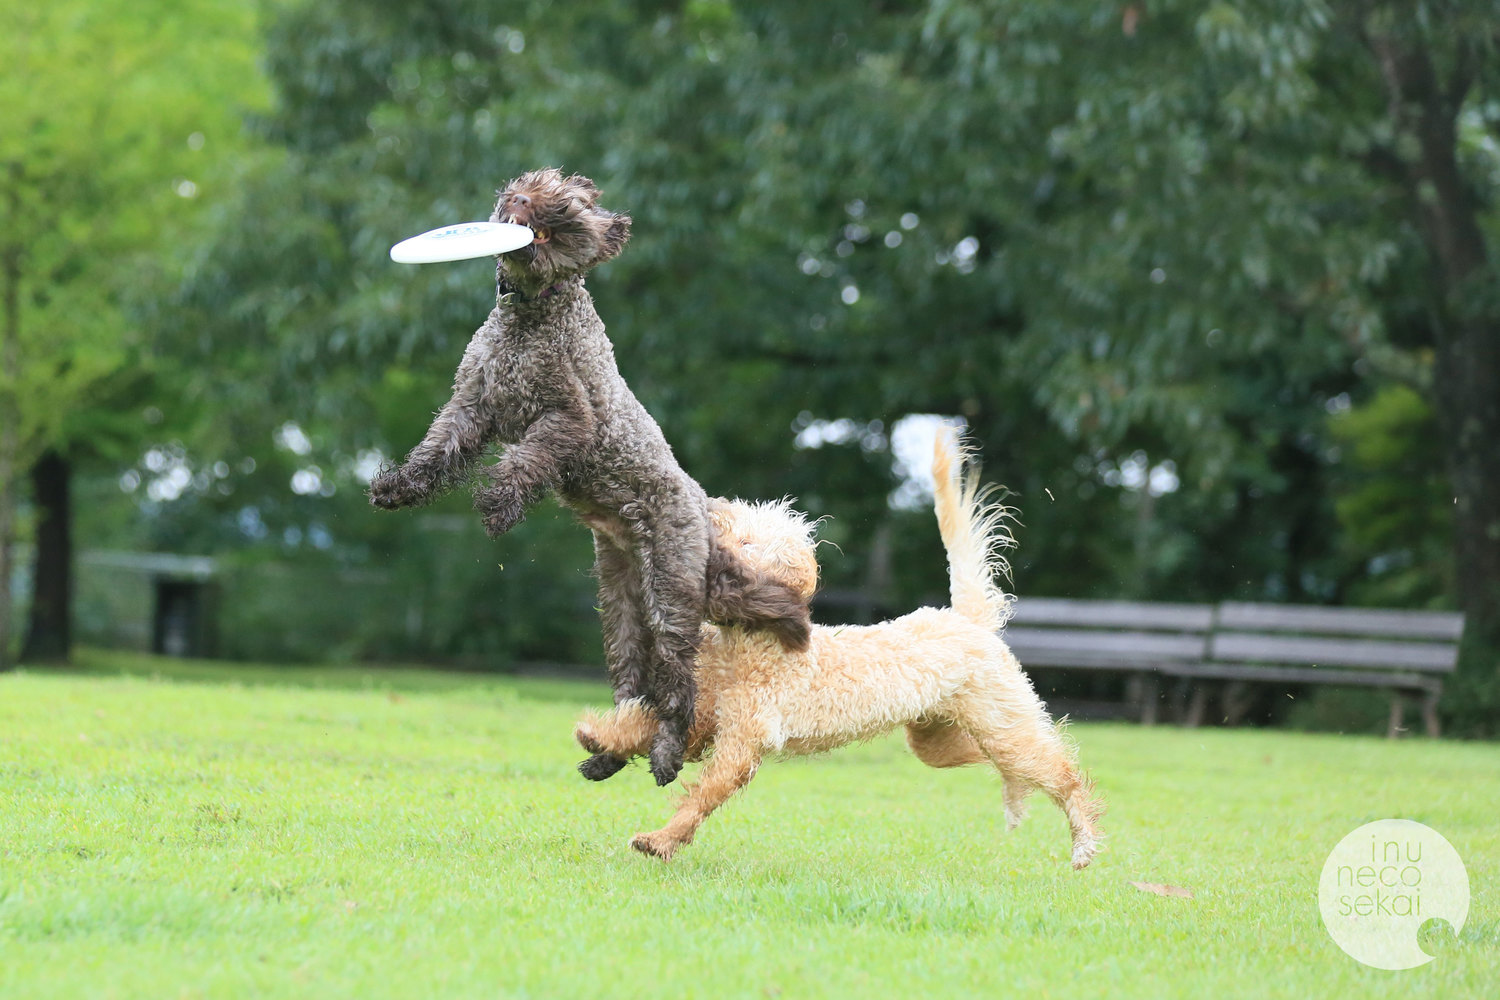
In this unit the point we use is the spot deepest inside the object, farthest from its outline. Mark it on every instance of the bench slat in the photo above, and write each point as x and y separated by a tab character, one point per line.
1094	661
1114	614
1248	617
1303	675
1054	645
1427	656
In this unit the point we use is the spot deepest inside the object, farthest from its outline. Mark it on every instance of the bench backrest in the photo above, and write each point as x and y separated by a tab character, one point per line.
1336	637
1056	632
1124	634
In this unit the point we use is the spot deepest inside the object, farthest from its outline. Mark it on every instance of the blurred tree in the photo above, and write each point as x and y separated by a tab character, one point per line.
107	111
1435	144
824	226
1323	175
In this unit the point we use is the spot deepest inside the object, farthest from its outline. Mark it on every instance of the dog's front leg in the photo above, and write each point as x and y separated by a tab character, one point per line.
455	438
623	732
532	466
735	760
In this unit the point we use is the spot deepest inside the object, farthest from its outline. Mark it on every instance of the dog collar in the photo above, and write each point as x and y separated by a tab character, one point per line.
514	296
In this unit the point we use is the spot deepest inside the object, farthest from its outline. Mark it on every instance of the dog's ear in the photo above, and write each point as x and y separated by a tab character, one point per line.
614	238
581	187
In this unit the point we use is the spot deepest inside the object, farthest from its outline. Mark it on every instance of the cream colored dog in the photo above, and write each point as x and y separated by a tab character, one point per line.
944	674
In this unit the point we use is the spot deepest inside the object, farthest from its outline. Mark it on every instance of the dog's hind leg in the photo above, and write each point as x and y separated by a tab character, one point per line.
1027	750
1016	790
673	693
736	757
946	744
943	744
622	609
673	560
627	642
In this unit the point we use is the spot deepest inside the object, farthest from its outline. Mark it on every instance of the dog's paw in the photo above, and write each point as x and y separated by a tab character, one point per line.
600	766
396	487
657	844
586	737
665	772
386	490
666	760
501	510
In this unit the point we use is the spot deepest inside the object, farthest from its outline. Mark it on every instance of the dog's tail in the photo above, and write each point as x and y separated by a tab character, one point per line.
974	534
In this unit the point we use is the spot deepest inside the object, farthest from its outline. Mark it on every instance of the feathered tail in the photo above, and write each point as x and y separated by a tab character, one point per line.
974	535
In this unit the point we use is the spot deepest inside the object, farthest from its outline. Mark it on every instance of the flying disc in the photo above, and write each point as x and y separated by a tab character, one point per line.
461	242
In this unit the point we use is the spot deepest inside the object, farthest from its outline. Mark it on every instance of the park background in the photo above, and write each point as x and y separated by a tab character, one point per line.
1214	286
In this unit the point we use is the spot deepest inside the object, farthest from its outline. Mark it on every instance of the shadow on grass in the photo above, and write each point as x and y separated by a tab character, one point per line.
549	684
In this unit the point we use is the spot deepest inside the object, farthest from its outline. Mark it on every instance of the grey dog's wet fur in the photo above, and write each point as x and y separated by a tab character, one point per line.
540	377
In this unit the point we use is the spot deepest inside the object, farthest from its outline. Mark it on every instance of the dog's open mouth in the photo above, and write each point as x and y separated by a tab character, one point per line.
541	233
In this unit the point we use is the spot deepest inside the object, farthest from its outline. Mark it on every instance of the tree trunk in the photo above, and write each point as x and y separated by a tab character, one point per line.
7	529
1468	388
10	335
1466	383
49	633
1466	330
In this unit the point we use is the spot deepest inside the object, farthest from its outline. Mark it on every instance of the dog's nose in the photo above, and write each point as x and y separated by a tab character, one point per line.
518	207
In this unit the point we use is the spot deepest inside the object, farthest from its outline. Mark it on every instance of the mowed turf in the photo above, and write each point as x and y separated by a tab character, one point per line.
230	831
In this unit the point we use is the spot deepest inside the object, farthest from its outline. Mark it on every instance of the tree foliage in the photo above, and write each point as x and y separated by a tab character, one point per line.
1133	247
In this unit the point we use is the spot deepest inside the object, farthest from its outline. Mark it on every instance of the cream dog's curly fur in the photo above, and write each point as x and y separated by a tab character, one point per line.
944	674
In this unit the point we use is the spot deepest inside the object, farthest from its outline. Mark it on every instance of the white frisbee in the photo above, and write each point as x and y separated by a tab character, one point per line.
461	242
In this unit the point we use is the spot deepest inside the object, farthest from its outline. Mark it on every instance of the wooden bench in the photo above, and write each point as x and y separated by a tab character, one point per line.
1141	639
1405	652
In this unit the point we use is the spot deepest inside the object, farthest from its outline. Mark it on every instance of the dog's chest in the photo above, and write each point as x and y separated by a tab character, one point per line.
512	396
522	377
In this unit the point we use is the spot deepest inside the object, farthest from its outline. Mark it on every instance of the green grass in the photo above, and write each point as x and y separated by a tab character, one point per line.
233	831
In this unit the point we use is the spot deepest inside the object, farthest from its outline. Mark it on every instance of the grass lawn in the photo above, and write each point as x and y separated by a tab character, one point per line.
171	829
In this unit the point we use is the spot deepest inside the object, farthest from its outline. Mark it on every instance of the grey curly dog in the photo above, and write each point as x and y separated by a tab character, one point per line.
540	377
